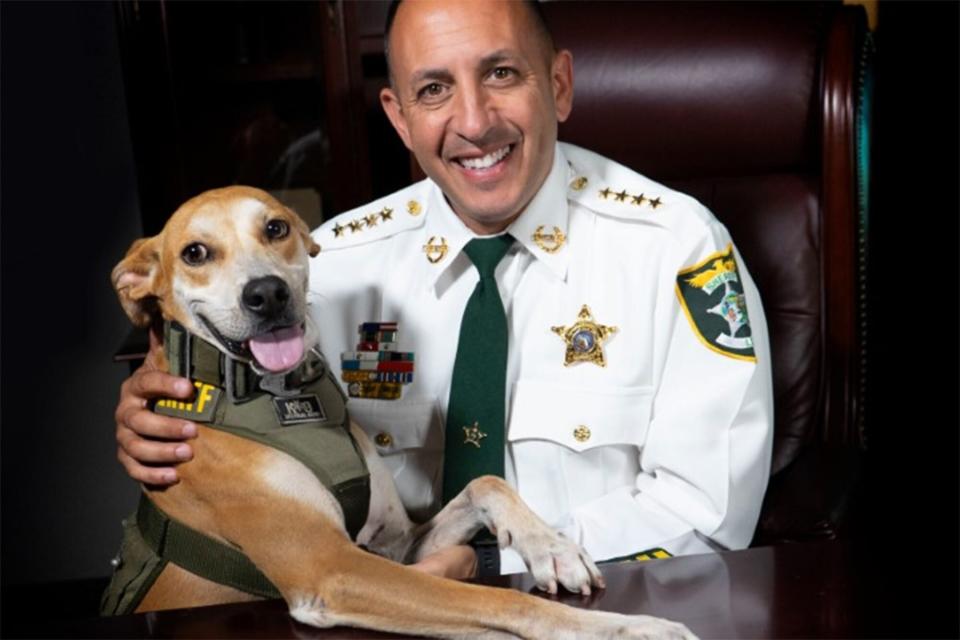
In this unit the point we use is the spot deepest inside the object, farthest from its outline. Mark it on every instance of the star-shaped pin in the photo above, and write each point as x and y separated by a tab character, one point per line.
584	339
638	200
372	220
605	193
386	214
355	225
655	203
338	230
473	435
622	196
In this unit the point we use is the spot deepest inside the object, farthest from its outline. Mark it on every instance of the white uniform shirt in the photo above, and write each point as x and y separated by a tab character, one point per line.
678	431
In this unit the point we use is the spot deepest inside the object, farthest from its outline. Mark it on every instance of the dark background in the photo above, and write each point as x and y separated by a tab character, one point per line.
69	208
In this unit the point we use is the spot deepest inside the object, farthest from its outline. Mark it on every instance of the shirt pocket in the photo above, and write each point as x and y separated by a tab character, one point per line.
408	435
580	418
397	426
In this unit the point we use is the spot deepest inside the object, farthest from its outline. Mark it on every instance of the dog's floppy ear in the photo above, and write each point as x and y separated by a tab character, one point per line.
135	280
312	247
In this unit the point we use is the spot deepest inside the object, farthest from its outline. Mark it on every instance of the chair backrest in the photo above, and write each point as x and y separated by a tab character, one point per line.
753	109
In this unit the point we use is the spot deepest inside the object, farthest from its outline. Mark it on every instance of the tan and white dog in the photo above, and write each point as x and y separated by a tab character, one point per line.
197	272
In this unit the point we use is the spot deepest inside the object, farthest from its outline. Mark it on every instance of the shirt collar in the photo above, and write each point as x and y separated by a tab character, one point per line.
541	229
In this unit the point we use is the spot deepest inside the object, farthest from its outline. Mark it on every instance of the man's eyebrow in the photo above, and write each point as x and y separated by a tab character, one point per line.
498	56
444	75
431	74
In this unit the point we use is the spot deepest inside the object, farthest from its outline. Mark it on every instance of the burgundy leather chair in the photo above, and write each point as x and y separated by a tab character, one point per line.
759	111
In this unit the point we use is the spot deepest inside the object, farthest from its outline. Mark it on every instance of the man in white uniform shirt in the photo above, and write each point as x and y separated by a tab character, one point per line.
638	391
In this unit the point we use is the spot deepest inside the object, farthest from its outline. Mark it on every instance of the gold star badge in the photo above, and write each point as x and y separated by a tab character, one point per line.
620	197
355	225
473	435
584	339
655	203
338	230
638	200
605	193
372	220
386	214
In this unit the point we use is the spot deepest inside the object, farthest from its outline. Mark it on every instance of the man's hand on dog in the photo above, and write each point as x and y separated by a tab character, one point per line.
149	443
458	563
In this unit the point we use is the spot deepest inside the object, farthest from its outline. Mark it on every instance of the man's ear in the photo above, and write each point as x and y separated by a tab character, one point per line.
135	280
392	107
561	78
312	247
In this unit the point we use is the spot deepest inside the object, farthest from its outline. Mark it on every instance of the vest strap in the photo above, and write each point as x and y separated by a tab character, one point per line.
208	558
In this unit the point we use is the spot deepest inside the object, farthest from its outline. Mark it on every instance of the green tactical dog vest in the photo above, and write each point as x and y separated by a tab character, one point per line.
302	413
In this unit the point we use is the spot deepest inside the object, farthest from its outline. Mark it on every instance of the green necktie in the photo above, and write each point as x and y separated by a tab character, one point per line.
475	413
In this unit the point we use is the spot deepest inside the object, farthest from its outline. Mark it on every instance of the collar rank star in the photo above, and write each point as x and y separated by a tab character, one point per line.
584	339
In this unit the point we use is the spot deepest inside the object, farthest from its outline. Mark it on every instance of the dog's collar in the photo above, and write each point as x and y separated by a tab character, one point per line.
193	357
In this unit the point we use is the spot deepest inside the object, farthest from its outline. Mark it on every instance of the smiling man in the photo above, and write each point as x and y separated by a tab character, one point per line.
532	310
477	94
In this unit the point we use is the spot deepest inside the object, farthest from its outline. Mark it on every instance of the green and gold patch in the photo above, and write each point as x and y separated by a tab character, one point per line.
711	294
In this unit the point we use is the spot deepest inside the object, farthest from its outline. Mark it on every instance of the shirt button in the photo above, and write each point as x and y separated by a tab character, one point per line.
581	433
383	440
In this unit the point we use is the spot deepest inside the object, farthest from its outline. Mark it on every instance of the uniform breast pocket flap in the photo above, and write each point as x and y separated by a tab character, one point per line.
580	418
399	425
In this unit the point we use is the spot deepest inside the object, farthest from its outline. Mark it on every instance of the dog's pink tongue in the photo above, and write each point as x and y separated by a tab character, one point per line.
278	350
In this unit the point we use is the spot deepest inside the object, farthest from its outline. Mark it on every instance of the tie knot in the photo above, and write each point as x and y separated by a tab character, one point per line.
486	253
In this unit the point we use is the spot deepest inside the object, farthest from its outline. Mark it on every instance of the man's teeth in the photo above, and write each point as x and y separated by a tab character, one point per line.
486	161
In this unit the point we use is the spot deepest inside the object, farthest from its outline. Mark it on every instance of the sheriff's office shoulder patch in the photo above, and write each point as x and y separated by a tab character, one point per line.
711	294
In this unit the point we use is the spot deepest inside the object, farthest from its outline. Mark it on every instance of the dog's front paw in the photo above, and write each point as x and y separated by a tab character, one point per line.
555	560
609	626
650	628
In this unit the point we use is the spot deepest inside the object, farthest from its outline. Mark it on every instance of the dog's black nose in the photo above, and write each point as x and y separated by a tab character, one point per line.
267	297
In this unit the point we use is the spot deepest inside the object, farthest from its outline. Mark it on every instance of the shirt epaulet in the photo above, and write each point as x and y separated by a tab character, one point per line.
400	211
611	189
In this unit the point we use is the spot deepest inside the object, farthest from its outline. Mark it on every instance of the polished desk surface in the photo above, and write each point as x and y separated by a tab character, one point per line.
811	590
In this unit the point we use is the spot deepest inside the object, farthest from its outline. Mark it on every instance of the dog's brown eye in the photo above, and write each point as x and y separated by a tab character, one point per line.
277	229
195	254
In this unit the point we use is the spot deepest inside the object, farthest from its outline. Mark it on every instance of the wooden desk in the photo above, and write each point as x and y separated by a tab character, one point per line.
803	590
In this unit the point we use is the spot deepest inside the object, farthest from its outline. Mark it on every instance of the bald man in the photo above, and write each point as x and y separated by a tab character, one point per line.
638	406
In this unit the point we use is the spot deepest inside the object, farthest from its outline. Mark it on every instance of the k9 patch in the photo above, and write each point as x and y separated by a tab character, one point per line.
711	294
299	409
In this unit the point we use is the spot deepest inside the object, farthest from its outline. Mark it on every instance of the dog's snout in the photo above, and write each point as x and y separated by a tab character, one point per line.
267	297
